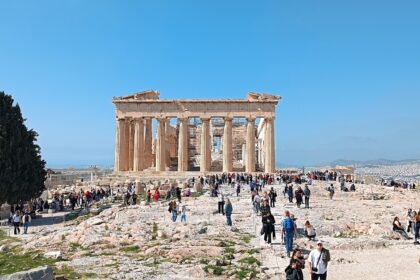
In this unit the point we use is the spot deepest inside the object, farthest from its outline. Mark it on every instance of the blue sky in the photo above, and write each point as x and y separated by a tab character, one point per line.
348	71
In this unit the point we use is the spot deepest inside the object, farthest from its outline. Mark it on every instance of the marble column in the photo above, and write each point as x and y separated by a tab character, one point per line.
167	144
126	145
119	145
250	146
138	164
160	145
205	145
227	146
183	145
269	164
148	143
131	145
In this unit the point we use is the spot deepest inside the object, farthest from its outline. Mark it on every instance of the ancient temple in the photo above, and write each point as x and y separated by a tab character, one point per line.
208	135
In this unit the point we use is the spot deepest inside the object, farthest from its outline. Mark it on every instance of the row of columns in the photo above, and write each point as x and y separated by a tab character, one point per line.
134	145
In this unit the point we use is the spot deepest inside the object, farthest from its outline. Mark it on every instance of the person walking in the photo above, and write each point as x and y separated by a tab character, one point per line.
238	189
290	193
221	203
228	212
298	196
26	219
318	262
307	193
268	226
288	230
272	195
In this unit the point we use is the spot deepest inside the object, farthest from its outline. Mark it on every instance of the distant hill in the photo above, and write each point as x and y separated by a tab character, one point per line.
373	162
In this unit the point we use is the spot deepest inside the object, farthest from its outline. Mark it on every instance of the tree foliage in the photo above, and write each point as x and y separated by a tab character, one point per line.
22	170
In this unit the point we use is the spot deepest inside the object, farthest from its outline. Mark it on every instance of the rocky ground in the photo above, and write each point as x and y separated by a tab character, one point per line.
141	242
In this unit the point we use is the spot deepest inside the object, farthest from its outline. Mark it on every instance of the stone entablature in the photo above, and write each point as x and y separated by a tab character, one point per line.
133	136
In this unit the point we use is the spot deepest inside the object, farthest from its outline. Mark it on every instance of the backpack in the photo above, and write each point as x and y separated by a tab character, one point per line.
26	218
326	256
288	224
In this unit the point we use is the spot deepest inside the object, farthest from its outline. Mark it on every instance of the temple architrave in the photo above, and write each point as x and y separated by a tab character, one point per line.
210	135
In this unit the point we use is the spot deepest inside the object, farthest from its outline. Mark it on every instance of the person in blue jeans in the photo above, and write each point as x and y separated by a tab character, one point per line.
26	219
228	212
288	230
175	209
184	214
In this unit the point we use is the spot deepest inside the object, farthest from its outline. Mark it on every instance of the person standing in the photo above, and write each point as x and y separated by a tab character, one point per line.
228	212
331	191
184	215
307	193
417	227
16	222
238	189
221	203
298	196
297	263
318	262
148	196
26	219
175	209
287	233
156	195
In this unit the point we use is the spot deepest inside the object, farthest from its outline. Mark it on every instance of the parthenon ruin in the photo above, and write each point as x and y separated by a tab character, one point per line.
208	134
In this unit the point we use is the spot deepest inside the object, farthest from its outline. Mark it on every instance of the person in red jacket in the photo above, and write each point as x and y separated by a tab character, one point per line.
156	195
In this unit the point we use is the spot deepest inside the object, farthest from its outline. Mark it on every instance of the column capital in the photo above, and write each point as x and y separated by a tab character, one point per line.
250	119
206	119
161	119
270	118
227	119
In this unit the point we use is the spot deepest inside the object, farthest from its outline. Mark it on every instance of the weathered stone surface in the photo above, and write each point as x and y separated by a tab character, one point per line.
39	273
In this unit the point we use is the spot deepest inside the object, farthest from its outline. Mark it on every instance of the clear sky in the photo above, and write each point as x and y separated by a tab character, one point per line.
348	71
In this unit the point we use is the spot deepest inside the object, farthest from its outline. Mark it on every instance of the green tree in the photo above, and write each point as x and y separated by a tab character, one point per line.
22	170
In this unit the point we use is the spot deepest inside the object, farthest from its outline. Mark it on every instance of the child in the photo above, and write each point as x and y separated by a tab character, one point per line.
184	215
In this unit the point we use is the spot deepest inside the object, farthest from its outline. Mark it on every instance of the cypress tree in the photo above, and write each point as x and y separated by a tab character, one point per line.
22	170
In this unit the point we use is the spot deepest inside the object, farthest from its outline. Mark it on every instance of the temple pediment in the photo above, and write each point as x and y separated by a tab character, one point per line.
254	96
143	95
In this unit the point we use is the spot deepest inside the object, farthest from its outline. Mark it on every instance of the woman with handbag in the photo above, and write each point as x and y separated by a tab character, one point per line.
294	269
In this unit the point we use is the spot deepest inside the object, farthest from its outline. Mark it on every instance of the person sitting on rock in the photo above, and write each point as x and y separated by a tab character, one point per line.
309	231
396	226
